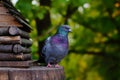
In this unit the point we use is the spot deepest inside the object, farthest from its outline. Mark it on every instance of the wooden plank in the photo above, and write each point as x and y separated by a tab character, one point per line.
40	75
23	22
26	42
16	13
21	64
15	40
35	73
16	31
19	18
16	49
6	17
4	75
10	23
13	31
10	40
3	10
20	75
4	31
20	49
44	73
6	48
13	57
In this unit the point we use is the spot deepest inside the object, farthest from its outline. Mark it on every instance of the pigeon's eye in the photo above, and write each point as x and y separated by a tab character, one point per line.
66	28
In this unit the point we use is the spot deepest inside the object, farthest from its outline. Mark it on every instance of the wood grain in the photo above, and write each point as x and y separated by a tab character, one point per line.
15	64
13	31
4	75
16	49
6	17
15	40
10	39
3	10
10	23
34	73
14	57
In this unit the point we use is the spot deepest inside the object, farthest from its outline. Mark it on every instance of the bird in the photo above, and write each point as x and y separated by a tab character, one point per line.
56	46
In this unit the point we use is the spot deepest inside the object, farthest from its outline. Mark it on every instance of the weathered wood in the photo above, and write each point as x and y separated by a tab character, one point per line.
13	10
3	10
21	64
16	31
4	31
10	40
6	17
10	19
22	22
7	1
17	48
6	48
4	75
35	73
13	31
22	75
13	57
15	40
15	13
10	23
48	74
26	42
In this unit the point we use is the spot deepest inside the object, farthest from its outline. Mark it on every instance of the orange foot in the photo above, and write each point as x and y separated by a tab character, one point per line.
49	65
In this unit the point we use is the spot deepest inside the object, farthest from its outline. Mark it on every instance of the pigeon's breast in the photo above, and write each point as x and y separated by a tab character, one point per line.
59	45
60	42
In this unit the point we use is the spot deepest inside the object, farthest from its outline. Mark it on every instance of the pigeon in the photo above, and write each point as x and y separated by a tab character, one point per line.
56	46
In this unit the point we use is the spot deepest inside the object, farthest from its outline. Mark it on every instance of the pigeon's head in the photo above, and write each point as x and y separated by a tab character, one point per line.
64	30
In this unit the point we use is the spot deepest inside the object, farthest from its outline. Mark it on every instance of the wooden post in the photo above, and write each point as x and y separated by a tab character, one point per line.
32	73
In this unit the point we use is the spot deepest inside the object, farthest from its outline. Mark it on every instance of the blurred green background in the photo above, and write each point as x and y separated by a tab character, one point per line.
94	52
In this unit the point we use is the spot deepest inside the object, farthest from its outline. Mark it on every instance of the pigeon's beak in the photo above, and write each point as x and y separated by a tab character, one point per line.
70	30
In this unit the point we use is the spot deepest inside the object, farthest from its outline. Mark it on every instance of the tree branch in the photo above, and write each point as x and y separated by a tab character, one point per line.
70	11
43	24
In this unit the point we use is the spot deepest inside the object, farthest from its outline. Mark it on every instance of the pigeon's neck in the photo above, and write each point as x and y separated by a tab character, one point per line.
62	33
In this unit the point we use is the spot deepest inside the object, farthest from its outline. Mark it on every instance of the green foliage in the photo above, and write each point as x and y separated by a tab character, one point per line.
94	42
27	6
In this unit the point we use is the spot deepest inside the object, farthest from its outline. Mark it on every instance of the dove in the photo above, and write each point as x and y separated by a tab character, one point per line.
56	46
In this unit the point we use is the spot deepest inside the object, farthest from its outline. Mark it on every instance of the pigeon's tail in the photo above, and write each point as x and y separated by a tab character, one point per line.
41	60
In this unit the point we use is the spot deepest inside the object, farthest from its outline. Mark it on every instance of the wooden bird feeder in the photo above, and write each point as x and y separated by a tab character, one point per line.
15	52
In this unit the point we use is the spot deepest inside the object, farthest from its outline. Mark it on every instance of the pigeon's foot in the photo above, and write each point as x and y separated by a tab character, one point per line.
49	65
57	66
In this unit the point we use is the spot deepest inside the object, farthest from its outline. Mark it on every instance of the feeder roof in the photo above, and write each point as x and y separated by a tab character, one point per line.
10	16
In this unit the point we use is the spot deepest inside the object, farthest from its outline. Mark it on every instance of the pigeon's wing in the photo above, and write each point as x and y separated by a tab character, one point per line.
47	42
